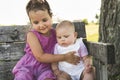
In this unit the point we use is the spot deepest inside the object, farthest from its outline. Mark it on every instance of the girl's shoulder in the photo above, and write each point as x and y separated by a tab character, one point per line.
30	33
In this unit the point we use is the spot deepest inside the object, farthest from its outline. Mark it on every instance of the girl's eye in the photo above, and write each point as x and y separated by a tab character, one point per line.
59	37
35	22
44	20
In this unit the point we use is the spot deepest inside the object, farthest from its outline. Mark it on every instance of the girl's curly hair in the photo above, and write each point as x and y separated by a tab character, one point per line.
35	5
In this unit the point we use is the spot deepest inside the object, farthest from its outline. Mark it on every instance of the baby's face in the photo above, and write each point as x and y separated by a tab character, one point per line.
65	37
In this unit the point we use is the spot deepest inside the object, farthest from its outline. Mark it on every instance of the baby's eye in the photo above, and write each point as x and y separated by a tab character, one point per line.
35	22
66	36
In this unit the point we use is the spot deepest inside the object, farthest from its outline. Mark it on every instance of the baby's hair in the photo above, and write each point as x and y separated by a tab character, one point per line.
35	5
66	23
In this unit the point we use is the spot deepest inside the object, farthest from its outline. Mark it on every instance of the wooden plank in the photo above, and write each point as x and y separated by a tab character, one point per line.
11	51
6	69
102	51
101	70
104	72
17	33
79	28
97	68
13	33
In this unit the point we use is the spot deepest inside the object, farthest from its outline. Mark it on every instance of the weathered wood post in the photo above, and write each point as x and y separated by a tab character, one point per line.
109	31
103	55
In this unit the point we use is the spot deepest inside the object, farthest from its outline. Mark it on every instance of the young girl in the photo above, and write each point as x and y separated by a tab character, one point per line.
40	41
68	41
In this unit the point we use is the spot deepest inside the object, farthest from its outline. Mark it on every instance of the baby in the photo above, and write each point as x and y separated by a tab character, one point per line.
67	41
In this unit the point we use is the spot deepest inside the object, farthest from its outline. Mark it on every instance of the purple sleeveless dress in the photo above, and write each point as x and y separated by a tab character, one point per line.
28	68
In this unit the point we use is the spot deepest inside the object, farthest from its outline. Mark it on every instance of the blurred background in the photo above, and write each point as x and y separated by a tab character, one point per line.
13	12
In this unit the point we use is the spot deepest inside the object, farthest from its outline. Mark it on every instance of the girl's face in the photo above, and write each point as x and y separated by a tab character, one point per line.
41	21
65	37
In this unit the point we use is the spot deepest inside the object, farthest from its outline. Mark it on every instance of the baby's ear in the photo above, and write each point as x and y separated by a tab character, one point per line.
76	34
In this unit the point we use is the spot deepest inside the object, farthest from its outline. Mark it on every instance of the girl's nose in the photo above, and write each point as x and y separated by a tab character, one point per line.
41	25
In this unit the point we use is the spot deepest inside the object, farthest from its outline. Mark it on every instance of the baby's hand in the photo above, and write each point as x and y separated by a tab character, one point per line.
70	57
88	65
88	68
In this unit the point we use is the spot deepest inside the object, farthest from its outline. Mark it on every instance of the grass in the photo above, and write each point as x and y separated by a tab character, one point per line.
92	32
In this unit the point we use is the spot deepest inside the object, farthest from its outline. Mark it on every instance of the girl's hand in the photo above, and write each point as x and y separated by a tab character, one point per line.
70	57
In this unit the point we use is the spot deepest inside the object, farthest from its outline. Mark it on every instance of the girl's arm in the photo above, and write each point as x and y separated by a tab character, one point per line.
39	54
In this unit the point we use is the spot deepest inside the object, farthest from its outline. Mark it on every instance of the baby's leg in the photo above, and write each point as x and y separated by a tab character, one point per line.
61	78
88	75
64	76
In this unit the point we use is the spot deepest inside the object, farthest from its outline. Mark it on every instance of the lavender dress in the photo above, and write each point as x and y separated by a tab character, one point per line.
28	68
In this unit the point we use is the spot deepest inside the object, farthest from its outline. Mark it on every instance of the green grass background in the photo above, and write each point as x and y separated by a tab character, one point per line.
92	32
